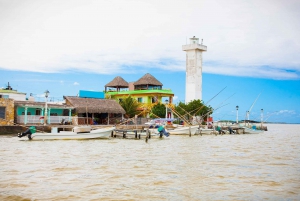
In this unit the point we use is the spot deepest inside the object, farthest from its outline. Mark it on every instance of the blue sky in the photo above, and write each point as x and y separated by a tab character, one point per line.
278	98
65	46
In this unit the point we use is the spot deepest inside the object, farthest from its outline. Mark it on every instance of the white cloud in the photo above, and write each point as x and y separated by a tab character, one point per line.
75	83
286	112
244	38
281	114
40	95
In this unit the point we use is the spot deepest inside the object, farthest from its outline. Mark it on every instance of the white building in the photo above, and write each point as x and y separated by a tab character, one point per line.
193	82
12	94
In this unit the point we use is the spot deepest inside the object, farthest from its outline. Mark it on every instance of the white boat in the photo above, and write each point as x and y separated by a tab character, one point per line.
77	133
247	130
184	130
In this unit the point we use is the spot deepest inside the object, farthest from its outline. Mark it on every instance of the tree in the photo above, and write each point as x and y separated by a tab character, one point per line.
158	110
198	108
193	108
130	105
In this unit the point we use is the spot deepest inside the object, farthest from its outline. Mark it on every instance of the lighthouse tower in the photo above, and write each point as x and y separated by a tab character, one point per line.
193	81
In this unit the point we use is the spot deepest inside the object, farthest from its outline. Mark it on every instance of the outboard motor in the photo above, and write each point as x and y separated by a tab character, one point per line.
28	132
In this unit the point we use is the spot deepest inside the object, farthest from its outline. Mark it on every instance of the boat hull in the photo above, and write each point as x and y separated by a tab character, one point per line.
252	131
102	133
184	130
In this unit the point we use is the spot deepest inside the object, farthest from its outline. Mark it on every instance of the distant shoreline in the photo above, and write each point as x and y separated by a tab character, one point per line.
255	122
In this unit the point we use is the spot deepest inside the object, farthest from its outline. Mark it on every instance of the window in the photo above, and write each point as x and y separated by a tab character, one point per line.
140	100
66	112
2	112
28	113
37	112
4	96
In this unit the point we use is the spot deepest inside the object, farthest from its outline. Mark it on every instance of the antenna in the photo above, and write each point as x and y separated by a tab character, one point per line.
252	105
8	87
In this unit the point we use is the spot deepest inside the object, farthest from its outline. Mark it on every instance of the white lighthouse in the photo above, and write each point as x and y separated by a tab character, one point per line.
193	81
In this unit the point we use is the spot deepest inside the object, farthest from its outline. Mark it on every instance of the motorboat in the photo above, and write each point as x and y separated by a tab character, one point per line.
252	130
184	130
77	133
171	128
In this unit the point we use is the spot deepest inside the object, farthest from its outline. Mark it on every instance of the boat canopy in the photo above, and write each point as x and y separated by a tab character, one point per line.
159	121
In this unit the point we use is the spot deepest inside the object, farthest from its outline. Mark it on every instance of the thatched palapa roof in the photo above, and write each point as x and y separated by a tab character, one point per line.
148	79
117	82
95	105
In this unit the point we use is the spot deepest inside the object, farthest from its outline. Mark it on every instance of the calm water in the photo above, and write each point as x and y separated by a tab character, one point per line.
229	167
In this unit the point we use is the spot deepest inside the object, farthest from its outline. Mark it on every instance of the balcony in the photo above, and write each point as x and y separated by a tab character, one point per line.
38	119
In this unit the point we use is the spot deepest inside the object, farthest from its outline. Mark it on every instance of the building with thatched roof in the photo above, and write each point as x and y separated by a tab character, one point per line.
94	105
147	82
99	110
147	90
117	83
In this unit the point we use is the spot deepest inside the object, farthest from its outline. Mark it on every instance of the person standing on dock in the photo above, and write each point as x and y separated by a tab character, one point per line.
161	129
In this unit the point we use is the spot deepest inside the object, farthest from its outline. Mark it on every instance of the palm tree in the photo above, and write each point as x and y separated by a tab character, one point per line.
130	105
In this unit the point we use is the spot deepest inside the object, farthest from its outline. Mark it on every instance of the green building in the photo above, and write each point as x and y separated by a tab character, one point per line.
147	90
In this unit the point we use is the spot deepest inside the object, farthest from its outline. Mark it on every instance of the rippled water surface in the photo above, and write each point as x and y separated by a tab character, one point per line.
229	167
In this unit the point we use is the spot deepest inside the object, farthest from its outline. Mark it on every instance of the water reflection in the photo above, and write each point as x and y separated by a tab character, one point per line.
231	167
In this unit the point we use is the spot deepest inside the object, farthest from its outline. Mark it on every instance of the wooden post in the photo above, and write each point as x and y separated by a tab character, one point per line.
190	132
